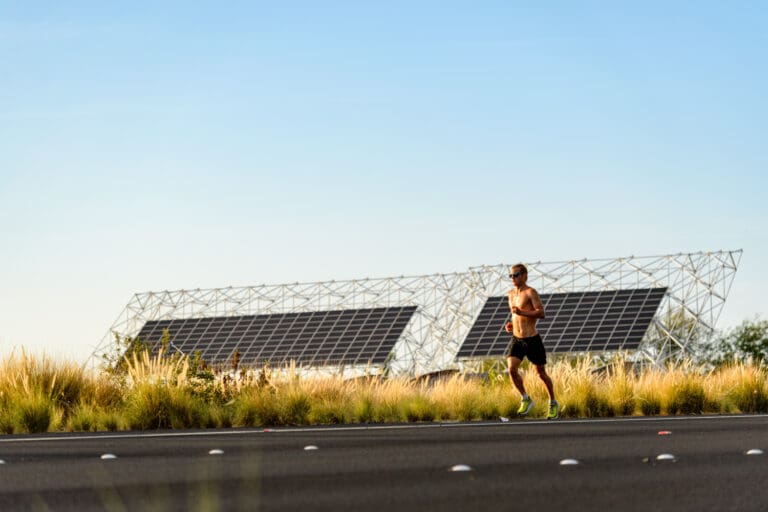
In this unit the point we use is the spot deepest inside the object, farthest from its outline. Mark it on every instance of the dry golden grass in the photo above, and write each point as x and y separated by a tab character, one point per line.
38	395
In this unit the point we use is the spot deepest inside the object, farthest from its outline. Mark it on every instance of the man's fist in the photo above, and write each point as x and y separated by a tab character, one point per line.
515	310
508	327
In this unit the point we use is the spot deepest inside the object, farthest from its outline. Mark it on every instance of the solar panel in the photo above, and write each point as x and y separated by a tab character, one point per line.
317	338
575	322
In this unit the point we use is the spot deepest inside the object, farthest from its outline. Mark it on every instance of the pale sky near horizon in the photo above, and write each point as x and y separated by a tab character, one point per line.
147	147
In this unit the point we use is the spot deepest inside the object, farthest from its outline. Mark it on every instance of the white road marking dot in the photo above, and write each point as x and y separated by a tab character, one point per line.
310	447
755	451
216	451
569	462
665	456
461	467
2	461
108	456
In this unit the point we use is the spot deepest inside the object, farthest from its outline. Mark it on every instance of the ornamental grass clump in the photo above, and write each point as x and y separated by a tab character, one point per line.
579	390
619	385
160	406
683	390
461	398
28	383
159	395
650	387
35	413
83	418
740	388
387	398
256	407
330	400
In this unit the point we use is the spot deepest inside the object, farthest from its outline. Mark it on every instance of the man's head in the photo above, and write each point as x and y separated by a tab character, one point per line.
518	273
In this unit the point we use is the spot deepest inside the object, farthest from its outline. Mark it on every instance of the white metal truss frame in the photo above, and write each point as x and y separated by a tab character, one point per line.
448	304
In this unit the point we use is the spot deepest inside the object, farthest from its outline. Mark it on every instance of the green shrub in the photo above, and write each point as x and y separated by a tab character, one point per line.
220	416
109	420
83	418
257	407
687	398
327	412
34	413
418	408
156	406
6	420
363	408
296	407
750	396
650	405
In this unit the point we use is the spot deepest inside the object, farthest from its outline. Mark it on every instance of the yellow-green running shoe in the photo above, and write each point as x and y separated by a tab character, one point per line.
525	406
554	411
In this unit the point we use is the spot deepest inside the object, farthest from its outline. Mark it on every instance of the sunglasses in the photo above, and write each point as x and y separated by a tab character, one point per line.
516	275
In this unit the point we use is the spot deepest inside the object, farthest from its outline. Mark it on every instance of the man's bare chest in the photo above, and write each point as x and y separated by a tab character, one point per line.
520	300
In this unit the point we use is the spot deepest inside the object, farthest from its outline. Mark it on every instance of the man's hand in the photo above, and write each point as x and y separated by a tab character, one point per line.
508	326
515	310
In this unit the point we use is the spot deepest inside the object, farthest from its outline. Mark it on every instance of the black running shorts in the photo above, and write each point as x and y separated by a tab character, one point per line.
532	348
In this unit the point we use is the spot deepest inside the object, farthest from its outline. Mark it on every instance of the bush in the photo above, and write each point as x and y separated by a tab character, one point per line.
363	408
83	418
650	405
747	342
297	407
156	406
746	388
34	414
687	398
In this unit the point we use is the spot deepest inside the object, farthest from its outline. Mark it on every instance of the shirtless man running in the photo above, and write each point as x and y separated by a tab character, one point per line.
526	308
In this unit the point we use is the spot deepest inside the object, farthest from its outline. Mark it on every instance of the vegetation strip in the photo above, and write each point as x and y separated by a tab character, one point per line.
157	392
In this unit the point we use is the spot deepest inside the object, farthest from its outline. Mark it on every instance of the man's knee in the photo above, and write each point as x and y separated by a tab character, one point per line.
542	371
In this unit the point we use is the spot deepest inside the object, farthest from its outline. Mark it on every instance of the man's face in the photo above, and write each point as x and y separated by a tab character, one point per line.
517	276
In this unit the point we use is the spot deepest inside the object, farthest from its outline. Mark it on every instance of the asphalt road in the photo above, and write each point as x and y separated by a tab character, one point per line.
513	466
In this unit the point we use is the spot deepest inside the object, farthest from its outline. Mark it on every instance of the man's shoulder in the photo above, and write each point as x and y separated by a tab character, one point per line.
529	291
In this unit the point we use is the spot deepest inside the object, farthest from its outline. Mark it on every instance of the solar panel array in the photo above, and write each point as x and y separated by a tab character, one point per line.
575	322
352	336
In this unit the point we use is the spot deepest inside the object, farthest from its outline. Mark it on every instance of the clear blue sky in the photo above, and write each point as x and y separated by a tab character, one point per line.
206	144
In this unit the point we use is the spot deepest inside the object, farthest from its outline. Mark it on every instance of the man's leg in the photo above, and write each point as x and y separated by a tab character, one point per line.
553	411
525	401
513	364
547	380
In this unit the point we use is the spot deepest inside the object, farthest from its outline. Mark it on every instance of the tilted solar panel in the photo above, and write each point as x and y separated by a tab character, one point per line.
318	338
575	322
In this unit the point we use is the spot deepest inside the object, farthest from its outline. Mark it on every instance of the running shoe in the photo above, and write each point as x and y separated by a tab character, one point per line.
525	407
554	411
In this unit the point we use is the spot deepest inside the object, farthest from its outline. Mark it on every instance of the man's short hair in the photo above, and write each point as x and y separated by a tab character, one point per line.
520	266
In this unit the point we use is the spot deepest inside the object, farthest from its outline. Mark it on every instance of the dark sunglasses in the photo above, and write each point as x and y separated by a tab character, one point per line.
516	274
